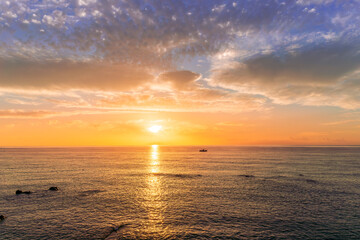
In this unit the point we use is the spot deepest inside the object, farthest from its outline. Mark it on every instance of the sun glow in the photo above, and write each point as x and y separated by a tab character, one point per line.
155	128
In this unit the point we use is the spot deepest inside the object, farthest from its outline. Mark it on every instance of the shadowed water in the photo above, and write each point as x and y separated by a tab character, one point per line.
180	193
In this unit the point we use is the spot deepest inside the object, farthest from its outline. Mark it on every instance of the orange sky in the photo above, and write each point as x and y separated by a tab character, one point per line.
275	127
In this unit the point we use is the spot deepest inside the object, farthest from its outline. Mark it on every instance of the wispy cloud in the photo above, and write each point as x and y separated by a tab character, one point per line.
25	114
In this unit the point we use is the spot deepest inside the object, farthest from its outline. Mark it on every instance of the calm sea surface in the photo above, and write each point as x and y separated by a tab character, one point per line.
179	193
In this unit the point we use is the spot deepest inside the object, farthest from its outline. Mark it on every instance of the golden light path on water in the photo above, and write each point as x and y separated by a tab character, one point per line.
154	158
154	203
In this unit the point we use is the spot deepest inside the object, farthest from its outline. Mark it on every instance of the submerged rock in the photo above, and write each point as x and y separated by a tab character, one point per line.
53	189
22	192
2	217
311	181
113	231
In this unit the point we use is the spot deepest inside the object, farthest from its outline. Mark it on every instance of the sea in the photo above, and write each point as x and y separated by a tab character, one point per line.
163	192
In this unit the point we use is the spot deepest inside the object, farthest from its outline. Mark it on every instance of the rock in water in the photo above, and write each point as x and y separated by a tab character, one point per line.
21	192
53	189
2	217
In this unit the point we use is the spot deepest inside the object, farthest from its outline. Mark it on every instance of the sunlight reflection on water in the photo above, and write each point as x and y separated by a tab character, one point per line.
154	203
154	159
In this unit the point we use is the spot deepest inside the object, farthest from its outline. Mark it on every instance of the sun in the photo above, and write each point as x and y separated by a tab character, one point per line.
155	128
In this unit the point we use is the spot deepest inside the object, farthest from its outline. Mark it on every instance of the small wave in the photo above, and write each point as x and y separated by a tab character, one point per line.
296	179
90	192
113	232
177	175
311	181
246	176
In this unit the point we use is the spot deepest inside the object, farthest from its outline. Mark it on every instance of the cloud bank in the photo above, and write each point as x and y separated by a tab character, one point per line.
296	51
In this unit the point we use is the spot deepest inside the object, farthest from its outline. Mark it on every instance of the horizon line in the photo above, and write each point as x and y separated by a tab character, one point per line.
203	145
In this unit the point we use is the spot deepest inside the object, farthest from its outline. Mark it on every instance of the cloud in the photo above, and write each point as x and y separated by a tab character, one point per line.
21	102
195	100
259	49
309	2
25	114
69	75
321	75
320	65
343	122
181	80
147	32
56	19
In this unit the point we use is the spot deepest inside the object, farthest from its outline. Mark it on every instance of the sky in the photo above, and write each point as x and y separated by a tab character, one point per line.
203	72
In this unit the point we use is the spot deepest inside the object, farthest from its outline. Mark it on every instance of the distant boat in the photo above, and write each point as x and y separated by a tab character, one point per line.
203	150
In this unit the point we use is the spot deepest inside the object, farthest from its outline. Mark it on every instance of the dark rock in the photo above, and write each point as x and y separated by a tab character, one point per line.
53	189
2	217
22	192
301	175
